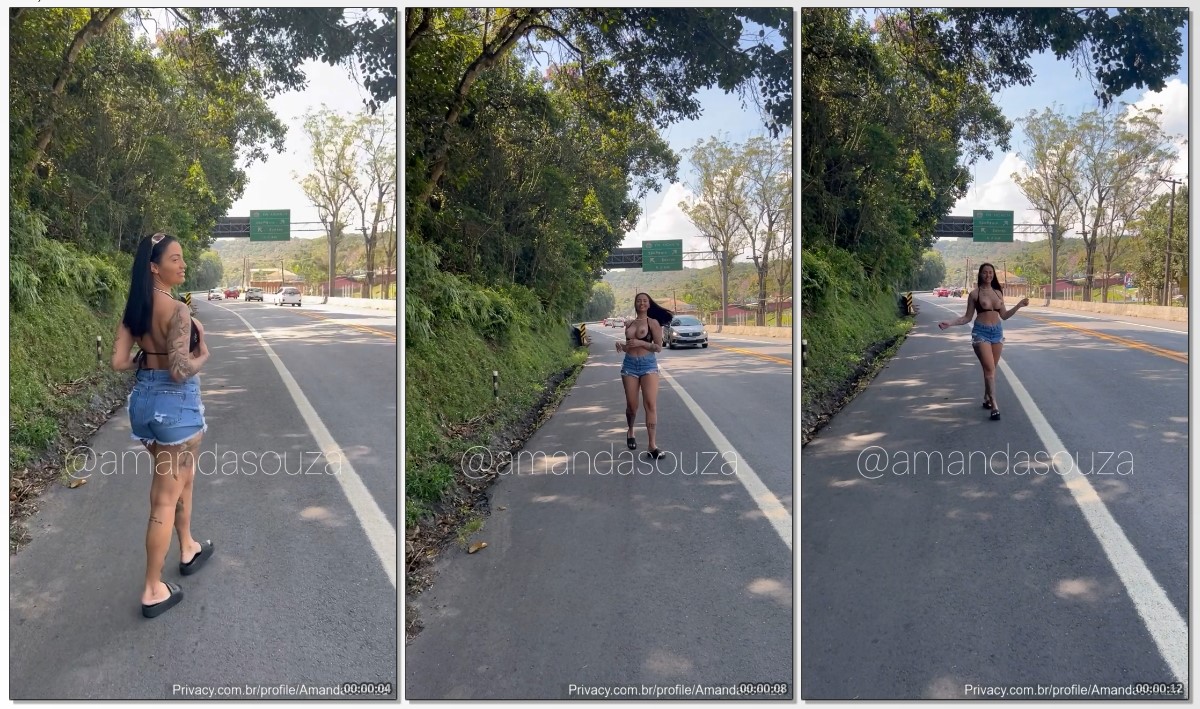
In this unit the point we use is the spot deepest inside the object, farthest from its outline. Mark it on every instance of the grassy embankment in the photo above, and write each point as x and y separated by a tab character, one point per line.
457	333
61	299
851	327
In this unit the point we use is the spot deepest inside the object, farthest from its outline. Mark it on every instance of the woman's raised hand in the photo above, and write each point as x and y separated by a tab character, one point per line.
1024	302
943	325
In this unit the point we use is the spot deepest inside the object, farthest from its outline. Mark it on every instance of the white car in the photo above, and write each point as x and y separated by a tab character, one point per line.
685	330
216	294
289	296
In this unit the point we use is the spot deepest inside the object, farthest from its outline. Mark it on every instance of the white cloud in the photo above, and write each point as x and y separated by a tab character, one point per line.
668	221
1173	102
1001	192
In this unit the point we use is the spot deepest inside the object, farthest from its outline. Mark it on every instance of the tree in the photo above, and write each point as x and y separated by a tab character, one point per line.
713	208
933	271
205	273
1124	48
1050	163
651	60
1150	244
1143	157
371	180
149	134
760	211
602	304
1112	162
97	23
277	41
331	141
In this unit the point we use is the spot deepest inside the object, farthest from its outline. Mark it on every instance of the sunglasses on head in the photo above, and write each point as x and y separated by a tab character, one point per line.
158	237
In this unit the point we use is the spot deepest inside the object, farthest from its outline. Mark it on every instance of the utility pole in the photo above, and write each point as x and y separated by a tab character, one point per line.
1170	232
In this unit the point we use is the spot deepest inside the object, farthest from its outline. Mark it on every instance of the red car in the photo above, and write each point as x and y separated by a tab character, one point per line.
232	293
939	292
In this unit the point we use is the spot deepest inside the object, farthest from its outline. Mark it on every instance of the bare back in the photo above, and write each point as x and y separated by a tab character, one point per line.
158	341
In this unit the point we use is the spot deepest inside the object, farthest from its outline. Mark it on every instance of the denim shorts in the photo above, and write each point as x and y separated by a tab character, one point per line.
987	333
639	366
164	411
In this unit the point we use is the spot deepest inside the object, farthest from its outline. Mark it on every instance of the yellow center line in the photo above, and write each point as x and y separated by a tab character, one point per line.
1169	354
364	328
752	353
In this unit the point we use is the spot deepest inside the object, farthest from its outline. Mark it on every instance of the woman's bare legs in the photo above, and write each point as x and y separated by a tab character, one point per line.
631	402
188	547
165	487
983	350
649	384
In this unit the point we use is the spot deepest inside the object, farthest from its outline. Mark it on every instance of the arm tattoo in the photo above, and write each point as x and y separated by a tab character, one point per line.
177	344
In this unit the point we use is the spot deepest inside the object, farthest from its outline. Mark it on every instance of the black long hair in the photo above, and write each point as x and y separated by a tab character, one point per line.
140	306
655	311
995	278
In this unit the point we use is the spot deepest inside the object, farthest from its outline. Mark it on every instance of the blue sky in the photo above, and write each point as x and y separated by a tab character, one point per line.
991	188
1056	82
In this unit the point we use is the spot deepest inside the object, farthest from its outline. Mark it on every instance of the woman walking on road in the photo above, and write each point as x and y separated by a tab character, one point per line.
639	370
987	335
165	411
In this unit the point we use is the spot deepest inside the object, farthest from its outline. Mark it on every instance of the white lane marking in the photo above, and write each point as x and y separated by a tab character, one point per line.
375	524
1166	626
770	505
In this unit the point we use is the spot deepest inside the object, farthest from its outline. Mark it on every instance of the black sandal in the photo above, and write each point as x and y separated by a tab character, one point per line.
205	553
655	453
632	443
987	403
995	414
156	609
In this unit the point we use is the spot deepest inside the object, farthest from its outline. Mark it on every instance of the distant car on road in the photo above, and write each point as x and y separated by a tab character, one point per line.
942	292
254	294
215	294
685	330
232	293
289	296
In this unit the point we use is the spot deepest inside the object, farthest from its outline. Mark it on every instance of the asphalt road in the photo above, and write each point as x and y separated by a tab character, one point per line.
621	578
297	593
923	579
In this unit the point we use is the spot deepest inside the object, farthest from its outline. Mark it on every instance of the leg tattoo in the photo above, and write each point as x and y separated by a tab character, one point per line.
155	519
630	418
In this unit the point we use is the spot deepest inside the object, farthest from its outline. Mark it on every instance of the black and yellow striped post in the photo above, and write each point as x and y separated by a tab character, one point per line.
187	298
909	308
583	333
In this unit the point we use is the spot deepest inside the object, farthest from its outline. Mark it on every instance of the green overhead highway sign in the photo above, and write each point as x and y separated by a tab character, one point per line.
662	255
992	225
270	224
